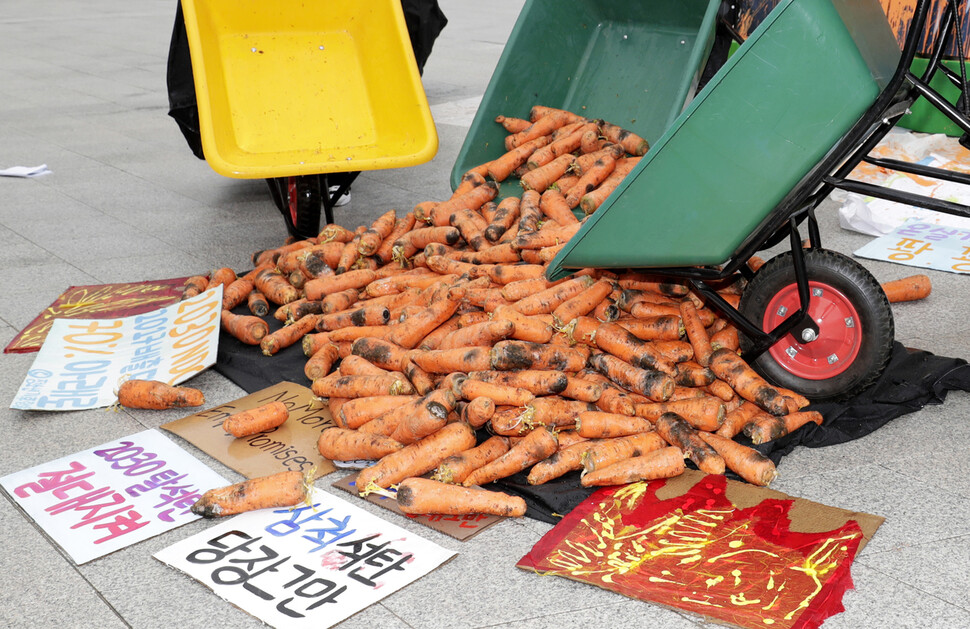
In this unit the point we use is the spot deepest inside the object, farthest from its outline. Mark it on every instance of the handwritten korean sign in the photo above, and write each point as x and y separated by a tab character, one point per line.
105	301
309	566
96	501
923	244
83	361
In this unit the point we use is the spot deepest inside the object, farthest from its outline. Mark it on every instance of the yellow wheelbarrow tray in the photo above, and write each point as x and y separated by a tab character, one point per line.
291	88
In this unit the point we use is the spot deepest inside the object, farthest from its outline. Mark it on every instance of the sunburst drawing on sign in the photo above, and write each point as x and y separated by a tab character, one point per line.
700	553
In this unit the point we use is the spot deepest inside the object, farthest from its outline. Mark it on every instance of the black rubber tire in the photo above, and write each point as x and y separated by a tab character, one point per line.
299	204
860	289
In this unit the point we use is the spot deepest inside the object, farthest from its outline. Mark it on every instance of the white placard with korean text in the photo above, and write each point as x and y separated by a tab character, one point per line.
312	565
99	500
922	244
83	361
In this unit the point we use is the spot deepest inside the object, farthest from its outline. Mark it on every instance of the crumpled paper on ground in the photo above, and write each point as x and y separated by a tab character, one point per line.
877	217
25	171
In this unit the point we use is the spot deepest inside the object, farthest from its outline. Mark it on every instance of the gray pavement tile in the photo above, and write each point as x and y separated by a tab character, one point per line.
915	510
628	613
57	277
44	588
936	567
140	268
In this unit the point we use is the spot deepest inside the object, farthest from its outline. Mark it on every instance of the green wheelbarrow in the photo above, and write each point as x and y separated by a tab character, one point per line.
802	102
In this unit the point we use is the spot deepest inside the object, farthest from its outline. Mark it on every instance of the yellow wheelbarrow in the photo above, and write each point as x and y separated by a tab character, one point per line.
294	91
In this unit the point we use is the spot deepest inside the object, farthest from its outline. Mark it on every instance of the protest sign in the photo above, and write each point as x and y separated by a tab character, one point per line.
291	446
98	500
922	244
83	361
312	565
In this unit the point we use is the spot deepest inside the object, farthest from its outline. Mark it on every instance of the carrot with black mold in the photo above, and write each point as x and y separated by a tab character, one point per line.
746	462
731	368
663	463
194	285
284	489
288	335
321	362
157	395
457	467
424	496
256	420
246	328
539	444
605	452
342	444
677	432
416	459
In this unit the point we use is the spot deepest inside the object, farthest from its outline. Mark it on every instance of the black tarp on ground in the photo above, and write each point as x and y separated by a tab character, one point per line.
913	379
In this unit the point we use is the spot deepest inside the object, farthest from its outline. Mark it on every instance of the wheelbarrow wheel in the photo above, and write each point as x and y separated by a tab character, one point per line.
299	199
854	318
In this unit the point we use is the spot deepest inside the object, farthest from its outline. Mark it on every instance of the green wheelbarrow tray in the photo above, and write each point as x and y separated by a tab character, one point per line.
634	64
749	137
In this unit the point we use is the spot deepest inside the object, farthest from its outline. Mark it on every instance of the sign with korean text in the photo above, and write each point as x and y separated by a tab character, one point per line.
96	501
923	244
312	565
291	446
104	301
83	361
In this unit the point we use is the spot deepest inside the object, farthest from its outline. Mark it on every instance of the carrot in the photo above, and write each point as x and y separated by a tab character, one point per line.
236	293
765	428
544	175
318	288
617	341
416	459
475	198
530	214
248	329
536	446
631	142
565	459
512	125
478	411
424	496
583	390
513	355
356	412
736	420
582	303
696	333
506	214
457	467
340	444
523	328
592	200
335	233
321	362
501	394
312	343
257	304
565	141
663	463
223	276
462	359
910	288
364	315
283	489
703	413
590	178
538	382
538	129
296	310
256	420
410	333
371	239
416	240
547	300
157	395
430	413
274	286
600	425
605	452
287	335
194	285
648	382
538	111
545	237
337	385
471	226
746	462
726	337
677	432
731	368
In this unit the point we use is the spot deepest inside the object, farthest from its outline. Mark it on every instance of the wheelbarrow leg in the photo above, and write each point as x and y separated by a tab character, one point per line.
339	189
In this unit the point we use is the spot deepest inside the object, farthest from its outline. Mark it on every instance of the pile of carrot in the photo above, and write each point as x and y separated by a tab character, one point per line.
421	329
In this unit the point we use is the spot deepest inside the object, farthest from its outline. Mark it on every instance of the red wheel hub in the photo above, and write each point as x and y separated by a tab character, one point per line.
839	332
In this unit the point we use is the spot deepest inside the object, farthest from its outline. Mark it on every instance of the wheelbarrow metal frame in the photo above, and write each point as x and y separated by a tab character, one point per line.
832	172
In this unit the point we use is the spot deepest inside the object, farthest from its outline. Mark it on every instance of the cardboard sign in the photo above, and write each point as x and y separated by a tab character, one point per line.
291	446
923	244
106	301
99	500
306	566
83	361
735	553
461	527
